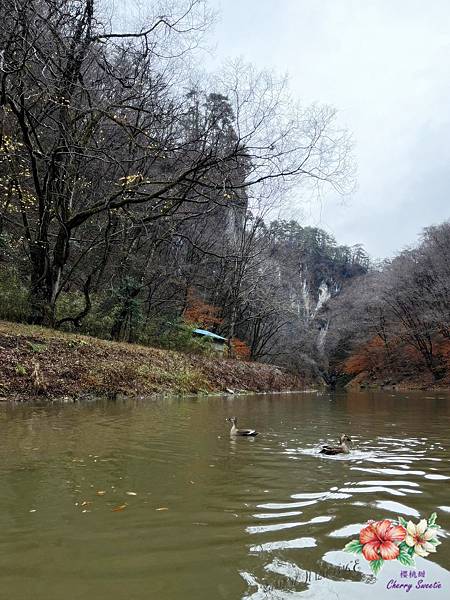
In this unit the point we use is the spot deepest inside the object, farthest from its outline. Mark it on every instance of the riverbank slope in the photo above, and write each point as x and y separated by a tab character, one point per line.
403	368
39	363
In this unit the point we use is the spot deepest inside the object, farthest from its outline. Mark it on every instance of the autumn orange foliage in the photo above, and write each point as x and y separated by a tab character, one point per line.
199	312
240	349
443	348
402	361
368	358
205	315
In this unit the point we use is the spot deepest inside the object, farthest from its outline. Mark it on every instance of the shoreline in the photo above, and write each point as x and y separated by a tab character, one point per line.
363	382
41	365
45	365
43	402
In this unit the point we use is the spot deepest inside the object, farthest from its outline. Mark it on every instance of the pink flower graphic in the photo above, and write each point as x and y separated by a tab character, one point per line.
395	540
378	539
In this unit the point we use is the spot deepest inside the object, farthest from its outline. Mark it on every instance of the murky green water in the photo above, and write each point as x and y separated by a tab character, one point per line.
255	519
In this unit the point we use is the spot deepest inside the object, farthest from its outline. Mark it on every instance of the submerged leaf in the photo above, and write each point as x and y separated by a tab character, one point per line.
119	508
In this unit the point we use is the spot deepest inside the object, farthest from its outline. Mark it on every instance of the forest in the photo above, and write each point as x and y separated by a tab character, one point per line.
141	198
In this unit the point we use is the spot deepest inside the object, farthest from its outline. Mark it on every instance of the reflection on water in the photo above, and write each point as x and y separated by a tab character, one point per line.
153	500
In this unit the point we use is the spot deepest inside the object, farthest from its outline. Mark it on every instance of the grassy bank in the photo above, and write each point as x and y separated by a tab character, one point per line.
39	363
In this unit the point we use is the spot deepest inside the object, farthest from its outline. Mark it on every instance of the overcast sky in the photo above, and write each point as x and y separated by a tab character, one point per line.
385	65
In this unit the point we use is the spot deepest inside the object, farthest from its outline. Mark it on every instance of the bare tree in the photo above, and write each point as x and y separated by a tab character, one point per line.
94	138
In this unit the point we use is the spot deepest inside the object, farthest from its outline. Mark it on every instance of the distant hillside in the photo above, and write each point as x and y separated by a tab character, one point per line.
403	368
392	325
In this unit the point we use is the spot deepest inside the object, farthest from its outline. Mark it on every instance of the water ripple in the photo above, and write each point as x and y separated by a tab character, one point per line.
266	528
303	542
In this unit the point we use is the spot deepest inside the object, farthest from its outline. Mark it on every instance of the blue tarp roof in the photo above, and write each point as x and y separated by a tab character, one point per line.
210	334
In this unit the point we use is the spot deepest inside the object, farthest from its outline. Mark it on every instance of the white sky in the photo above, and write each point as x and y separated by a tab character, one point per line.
385	65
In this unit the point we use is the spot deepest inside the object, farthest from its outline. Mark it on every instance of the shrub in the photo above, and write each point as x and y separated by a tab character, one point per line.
199	312
176	335
97	323
14	304
240	349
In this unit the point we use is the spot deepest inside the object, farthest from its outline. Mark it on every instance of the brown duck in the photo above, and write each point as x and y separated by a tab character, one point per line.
342	448
242	432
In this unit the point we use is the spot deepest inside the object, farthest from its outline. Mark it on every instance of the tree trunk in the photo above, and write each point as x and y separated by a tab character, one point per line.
125	315
231	331
42	309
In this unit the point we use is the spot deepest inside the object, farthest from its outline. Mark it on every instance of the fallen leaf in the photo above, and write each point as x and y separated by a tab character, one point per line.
162	508
131	494
33	510
120	508
100	492
86	503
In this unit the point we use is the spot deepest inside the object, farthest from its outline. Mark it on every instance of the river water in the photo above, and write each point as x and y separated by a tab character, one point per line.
140	500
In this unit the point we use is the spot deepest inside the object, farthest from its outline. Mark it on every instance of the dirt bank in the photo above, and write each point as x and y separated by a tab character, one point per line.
38	363
398	381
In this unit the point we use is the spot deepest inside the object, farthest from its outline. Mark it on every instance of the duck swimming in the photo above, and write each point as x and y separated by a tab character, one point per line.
242	432
343	447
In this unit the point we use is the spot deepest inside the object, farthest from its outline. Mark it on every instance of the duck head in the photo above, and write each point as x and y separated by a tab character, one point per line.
232	420
345	439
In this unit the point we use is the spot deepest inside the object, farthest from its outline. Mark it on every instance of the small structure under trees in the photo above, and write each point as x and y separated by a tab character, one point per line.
218	343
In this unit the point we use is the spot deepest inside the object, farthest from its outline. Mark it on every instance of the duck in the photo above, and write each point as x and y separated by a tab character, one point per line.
242	432
343	447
